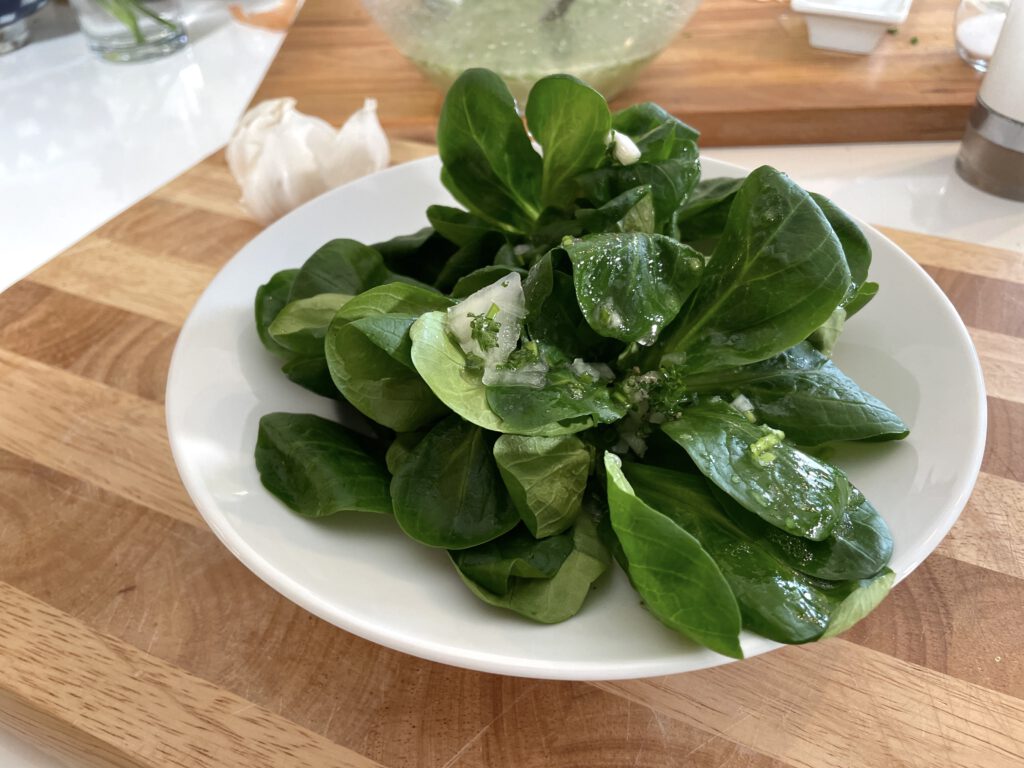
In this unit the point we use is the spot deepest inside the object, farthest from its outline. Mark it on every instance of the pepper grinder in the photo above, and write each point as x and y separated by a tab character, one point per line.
992	153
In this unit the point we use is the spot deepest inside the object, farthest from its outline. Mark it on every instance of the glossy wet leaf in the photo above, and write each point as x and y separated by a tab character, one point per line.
776	275
807	396
567	402
670	181
763	472
448	493
859	547
552	312
679	581
631	285
775	599
546	477
636	204
865	293
317	467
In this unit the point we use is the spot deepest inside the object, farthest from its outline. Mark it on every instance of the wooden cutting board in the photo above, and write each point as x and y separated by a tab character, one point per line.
741	71
131	637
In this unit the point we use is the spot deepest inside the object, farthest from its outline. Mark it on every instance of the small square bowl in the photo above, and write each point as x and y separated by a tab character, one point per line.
851	26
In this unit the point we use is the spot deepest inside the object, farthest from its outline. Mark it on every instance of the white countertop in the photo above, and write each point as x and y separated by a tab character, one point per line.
81	140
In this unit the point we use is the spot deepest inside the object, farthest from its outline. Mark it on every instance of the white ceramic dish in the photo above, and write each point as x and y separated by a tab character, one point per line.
361	573
850	26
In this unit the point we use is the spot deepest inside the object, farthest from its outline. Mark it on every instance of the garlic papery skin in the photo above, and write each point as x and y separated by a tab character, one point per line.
624	149
281	157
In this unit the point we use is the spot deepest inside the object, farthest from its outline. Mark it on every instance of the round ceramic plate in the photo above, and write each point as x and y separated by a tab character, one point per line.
361	573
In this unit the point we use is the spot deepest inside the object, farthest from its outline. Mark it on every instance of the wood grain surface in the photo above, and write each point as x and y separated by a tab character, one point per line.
741	71
131	637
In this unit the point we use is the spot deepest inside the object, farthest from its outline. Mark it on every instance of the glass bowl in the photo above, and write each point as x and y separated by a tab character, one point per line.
604	42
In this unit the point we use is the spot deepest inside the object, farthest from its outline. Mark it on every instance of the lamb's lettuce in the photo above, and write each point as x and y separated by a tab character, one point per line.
594	298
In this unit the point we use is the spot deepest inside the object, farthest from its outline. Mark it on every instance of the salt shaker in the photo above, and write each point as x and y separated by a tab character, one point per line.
992	153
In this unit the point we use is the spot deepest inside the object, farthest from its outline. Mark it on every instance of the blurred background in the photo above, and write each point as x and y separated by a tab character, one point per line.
81	138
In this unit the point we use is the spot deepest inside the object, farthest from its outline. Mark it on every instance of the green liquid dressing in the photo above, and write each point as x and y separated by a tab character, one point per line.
604	42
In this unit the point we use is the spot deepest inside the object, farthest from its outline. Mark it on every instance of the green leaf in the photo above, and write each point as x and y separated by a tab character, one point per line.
516	555
775	276
546	477
301	325
761	470
311	373
317	468
368	352
555	599
775	599
857	252
489	164
856	600
394	298
401	448
630	285
340	266
804	394
271	298
670	181
571	121
657	134
635	204
679	581
858	548
421	255
856	248
472	256
456	225
826	335
859	300
569	401
704	214
442	364
448	493
552	312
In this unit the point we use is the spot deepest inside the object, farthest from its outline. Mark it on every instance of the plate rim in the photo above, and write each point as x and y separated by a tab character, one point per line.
481	661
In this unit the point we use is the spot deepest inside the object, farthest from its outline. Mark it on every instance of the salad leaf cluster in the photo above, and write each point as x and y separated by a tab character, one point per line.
599	356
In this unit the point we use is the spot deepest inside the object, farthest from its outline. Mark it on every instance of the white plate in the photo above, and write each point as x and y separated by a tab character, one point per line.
361	573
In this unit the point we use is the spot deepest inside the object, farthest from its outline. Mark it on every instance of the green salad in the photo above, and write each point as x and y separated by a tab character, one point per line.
601	356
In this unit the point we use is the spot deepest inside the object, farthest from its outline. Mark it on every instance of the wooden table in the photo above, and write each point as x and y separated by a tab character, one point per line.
131	637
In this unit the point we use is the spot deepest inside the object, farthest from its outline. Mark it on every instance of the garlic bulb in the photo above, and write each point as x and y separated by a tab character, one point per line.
281	157
625	151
